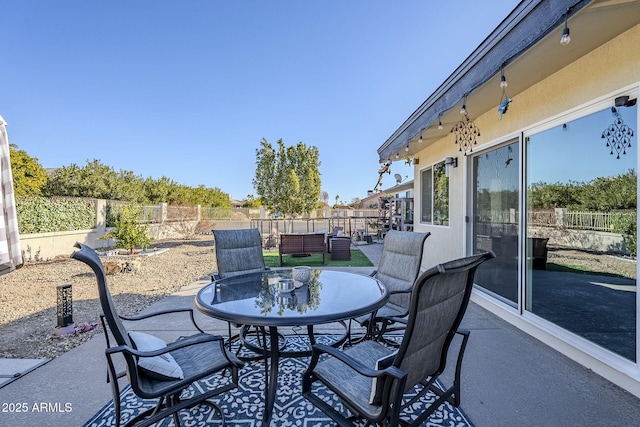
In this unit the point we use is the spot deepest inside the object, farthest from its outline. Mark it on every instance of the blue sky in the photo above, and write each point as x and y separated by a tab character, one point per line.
579	153
188	89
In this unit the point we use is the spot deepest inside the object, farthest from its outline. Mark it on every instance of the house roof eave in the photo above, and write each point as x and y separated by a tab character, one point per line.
521	30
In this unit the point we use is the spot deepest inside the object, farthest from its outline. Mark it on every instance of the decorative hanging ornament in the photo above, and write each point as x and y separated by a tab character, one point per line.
466	134
504	106
504	99
386	168
618	135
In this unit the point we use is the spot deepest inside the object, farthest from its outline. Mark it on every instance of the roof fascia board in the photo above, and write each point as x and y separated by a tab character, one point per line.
526	25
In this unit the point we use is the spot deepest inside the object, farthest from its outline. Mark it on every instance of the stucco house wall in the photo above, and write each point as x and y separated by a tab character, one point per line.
611	70
606	71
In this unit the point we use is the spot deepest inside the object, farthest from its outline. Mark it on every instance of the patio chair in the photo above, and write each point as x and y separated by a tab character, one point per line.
238	252
398	269
371	379
155	369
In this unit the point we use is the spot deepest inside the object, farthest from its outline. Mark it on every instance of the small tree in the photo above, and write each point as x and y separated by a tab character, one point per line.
28	175
287	179
129	233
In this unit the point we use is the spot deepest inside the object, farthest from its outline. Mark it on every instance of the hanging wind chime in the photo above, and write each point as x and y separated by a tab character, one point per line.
466	131
504	99
618	134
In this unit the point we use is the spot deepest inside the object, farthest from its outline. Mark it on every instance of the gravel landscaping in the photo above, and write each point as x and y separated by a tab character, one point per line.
599	263
28	295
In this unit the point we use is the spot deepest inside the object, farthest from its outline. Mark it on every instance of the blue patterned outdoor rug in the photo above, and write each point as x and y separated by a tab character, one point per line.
243	407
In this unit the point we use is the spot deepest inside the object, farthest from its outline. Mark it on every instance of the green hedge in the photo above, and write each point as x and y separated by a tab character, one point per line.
625	223
43	215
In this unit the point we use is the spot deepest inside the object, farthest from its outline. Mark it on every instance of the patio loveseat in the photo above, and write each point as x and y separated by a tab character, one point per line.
303	244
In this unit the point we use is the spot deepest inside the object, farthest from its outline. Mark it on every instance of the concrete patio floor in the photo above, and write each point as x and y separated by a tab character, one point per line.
509	378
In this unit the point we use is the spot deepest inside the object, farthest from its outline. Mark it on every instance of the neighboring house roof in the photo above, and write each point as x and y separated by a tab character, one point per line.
405	186
526	45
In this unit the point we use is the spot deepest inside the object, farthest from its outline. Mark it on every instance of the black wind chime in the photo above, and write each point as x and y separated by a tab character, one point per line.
618	135
466	131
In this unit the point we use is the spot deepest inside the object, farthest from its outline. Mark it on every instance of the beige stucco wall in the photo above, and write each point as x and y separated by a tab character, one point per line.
603	72
46	246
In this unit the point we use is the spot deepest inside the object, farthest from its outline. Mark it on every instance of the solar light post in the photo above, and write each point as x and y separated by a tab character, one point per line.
65	306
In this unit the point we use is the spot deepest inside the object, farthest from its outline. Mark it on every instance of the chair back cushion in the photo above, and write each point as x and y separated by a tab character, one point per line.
91	258
400	262
438	303
238	252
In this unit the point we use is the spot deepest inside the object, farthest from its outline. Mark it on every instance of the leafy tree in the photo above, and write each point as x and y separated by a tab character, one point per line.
608	194
306	162
28	175
440	195
95	180
251	202
287	180
204	196
129	233
265	179
549	196
157	191
129	186
604	194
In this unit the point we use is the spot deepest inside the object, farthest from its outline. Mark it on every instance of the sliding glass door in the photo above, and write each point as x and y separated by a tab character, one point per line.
494	224
581	237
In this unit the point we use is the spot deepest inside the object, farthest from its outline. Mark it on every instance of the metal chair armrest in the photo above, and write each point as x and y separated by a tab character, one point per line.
181	343
155	313
356	365
401	291
162	313
395	319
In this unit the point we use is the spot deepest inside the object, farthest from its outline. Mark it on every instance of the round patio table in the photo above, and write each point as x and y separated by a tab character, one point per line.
255	299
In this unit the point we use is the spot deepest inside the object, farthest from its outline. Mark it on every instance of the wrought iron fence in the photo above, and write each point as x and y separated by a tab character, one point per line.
350	225
597	221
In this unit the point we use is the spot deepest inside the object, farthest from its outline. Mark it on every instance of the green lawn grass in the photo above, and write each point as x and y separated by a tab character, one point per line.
358	259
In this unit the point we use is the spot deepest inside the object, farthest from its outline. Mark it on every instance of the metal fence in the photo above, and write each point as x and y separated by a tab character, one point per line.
351	220
600	221
560	218
350	225
597	221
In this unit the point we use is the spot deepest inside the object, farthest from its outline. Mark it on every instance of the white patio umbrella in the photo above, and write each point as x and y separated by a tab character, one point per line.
10	252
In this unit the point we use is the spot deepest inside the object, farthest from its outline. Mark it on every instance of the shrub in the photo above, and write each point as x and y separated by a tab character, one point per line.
625	224
129	233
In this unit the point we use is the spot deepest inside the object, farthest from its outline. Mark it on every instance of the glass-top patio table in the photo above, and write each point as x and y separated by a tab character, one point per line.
257	299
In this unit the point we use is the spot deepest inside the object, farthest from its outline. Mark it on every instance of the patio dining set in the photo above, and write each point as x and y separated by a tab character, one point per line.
397	326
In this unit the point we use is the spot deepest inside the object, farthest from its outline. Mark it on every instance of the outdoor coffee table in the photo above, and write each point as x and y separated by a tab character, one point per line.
254	299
